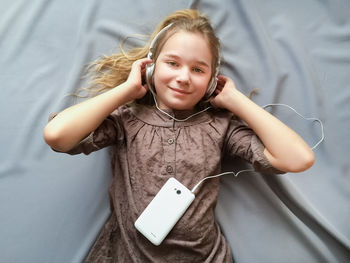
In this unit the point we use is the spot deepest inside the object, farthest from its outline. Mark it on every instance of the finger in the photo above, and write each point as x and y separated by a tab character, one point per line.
146	86
220	85
141	63
212	102
222	78
217	91
145	61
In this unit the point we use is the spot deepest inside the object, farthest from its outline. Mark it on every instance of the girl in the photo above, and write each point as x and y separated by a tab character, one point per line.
168	131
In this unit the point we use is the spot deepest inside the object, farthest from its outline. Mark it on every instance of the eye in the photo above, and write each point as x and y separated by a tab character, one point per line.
197	70
172	63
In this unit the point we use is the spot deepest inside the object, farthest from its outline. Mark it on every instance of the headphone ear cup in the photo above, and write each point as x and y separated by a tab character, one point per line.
149	75
211	87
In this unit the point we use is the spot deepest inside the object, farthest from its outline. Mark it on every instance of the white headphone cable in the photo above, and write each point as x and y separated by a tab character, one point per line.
213	176
172	117
251	170
305	118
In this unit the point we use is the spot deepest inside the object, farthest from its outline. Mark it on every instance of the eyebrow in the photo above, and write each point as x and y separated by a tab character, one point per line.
200	62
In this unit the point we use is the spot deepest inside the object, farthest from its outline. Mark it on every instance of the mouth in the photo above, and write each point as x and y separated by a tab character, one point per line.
179	91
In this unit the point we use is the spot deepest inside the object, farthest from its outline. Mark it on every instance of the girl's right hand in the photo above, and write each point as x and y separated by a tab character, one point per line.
134	82
73	124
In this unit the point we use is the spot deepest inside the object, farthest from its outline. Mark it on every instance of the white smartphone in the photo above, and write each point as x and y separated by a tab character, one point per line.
162	213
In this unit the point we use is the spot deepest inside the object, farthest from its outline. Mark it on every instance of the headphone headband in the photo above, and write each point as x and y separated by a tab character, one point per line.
155	39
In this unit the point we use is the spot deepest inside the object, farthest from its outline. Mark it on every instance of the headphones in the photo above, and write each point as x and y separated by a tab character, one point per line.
150	67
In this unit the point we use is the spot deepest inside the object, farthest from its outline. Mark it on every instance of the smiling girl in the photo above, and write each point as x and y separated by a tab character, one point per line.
170	132
182	72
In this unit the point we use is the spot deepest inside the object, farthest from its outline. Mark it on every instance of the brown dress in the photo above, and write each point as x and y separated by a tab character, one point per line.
148	148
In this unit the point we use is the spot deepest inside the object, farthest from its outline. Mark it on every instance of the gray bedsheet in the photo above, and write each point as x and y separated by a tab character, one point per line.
52	205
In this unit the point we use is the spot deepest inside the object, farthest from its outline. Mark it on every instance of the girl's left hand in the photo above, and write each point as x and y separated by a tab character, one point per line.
225	89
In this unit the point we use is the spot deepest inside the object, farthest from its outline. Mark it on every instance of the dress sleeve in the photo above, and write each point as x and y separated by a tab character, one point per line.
242	141
109	132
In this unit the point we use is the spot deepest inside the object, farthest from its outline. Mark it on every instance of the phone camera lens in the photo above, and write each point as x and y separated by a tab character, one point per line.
178	192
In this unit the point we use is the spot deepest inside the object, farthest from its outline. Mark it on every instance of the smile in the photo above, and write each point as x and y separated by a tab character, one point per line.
180	91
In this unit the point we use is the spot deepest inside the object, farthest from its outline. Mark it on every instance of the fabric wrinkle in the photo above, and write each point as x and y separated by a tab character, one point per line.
148	149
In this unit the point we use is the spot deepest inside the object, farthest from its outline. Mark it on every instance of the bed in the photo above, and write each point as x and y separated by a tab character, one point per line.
52	206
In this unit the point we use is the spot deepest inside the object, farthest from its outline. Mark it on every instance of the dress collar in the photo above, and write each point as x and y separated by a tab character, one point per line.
151	115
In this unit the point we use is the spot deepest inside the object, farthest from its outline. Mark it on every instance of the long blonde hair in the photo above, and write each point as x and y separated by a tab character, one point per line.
110	71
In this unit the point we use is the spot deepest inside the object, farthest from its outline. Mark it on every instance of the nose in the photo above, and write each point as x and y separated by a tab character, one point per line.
183	76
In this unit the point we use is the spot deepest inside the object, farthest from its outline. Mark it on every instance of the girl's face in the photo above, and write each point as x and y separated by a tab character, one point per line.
182	71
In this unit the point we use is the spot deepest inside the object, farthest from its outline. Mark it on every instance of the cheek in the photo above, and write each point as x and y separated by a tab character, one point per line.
162	74
202	84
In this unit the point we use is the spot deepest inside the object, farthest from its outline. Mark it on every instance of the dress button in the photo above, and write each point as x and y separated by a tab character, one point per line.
169	169
171	141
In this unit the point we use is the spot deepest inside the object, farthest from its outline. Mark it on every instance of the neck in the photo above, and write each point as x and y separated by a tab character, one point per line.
172	117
